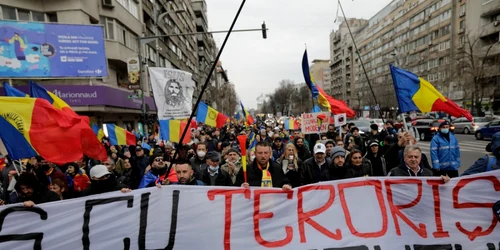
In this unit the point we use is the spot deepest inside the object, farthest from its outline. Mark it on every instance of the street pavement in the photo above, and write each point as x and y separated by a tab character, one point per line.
470	150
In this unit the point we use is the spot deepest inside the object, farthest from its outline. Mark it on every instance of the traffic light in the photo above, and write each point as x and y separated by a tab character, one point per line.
264	30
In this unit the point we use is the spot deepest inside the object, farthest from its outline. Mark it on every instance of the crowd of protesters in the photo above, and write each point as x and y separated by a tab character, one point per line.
278	158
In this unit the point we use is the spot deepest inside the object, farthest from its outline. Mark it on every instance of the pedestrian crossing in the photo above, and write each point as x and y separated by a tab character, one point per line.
465	146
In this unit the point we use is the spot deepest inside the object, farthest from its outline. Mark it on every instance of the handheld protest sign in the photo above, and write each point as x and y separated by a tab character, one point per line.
242	140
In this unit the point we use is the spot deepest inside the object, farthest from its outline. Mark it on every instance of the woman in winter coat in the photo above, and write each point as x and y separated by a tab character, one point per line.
291	165
80	180
357	166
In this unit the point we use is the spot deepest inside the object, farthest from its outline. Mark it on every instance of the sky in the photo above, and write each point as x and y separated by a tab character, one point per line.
256	65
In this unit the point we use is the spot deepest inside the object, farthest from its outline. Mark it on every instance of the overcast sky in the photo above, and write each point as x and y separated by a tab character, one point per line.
256	65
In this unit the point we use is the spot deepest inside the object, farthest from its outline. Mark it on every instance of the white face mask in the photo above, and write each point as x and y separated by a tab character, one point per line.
201	154
252	157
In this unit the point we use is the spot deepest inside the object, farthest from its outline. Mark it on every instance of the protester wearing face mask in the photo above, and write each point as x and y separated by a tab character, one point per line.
50	171
157	174
199	159
291	165
250	156
212	174
102	181
445	152
233	163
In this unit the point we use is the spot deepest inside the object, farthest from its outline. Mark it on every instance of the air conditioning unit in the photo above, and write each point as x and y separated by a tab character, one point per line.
108	4
496	23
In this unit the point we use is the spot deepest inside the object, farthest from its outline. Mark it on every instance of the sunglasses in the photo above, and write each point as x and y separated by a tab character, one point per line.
159	159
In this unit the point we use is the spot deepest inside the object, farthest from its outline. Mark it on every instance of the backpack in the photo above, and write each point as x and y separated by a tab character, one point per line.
492	160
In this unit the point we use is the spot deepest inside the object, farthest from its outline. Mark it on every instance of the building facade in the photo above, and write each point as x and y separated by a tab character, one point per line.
426	37
342	61
317	71
111	99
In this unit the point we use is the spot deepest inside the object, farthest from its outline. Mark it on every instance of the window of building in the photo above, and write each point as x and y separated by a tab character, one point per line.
9	13
24	15
462	24
116	31
38	16
52	17
130	6
462	9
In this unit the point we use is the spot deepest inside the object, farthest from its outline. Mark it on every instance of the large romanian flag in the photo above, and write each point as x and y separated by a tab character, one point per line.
326	101
38	91
171	130
32	126
210	116
11	91
248	117
119	136
416	94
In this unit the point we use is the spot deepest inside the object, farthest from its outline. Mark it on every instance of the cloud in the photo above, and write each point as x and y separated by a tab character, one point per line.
33	58
12	63
256	65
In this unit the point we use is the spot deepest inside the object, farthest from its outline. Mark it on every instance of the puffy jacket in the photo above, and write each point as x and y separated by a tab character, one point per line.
445	154
481	164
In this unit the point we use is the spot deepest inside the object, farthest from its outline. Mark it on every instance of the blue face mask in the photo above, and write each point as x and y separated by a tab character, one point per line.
445	130
213	170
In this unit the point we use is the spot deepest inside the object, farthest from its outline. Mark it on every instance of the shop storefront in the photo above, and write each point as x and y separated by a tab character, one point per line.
103	104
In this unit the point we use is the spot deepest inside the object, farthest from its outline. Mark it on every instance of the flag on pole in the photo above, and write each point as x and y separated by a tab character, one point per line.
416	94
210	116
32	126
119	136
308	76
248	117
171	130
11	91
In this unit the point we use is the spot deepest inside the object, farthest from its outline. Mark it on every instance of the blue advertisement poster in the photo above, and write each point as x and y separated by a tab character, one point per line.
44	50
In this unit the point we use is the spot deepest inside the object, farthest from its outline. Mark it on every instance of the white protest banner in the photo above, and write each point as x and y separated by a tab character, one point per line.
314	123
340	119
364	213
173	91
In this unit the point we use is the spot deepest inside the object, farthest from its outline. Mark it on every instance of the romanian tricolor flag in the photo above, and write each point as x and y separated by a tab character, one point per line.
248	117
171	130
38	91
210	116
291	124
416	94
328	102
11	91
32	126
119	136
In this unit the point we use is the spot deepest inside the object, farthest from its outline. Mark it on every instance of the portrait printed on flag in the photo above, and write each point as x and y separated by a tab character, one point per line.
173	92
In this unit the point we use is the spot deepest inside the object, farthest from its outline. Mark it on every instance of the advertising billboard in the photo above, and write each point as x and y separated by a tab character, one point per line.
50	50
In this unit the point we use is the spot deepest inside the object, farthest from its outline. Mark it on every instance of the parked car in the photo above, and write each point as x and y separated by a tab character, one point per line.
462	125
379	122
363	125
488	130
427	128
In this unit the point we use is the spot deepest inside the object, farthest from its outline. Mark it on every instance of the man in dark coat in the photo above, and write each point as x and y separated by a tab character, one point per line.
263	172
31	192
316	168
212	174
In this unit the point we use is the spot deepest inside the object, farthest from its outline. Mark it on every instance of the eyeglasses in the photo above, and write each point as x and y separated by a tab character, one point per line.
159	159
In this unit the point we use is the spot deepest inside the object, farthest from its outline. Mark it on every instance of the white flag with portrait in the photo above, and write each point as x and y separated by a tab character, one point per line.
173	91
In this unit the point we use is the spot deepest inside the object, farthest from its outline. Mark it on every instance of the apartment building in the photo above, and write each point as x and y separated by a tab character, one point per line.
342	61
317	71
479	24
107	99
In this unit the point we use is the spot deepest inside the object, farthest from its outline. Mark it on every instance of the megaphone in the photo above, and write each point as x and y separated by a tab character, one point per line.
496	210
